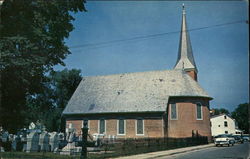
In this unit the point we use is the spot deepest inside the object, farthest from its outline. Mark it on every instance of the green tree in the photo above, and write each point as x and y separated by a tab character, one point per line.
241	115
65	83
32	34
48	105
221	111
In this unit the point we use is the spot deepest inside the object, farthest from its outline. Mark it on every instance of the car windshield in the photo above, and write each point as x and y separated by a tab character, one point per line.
223	135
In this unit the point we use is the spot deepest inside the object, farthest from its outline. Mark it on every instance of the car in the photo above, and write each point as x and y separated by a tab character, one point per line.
224	139
246	137
238	139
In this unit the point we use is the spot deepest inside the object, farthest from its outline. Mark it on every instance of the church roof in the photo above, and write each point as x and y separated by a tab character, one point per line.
185	58
132	92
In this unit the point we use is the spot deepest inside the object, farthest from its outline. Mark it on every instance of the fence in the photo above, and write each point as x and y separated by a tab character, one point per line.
120	147
142	145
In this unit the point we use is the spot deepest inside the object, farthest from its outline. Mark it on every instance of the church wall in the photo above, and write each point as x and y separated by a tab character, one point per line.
186	118
152	127
77	124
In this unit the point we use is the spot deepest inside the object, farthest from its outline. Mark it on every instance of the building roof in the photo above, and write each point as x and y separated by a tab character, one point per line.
132	92
219	115
185	58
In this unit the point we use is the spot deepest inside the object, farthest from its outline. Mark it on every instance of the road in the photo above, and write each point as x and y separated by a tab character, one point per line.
238	151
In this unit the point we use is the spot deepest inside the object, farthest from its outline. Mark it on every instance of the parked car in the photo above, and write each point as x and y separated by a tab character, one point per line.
224	139
246	137
238	139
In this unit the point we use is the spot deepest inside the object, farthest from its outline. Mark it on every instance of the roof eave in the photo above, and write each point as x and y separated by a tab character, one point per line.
210	98
99	113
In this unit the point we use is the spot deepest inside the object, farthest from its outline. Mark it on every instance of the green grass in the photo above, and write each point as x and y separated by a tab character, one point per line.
47	155
34	155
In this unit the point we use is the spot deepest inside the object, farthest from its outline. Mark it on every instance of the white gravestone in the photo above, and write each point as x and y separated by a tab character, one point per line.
44	142
32	142
54	141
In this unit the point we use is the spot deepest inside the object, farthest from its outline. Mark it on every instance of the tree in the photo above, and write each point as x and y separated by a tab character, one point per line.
221	111
65	84
48	105
241	115
31	43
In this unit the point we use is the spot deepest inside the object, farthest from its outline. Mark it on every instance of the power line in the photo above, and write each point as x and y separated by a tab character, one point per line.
97	45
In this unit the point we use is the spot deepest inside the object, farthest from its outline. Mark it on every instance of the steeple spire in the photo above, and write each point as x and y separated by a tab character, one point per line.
185	58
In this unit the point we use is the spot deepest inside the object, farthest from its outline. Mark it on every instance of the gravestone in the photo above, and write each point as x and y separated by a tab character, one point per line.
44	142
54	141
70	148
14	143
32	142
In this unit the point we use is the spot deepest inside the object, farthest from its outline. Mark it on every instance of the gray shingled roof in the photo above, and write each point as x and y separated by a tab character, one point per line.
131	92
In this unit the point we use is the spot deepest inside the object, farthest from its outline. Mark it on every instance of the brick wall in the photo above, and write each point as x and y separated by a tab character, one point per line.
193	74
187	121
152	127
77	124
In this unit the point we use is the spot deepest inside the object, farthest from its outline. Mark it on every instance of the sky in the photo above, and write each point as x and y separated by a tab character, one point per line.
136	36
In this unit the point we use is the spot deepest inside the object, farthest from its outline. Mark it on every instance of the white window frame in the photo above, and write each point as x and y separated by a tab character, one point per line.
197	112
119	127
104	126
142	127
176	107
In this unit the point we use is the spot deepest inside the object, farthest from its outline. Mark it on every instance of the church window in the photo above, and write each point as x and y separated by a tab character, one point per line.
102	126
139	127
121	127
198	111
225	123
225	117
173	111
226	132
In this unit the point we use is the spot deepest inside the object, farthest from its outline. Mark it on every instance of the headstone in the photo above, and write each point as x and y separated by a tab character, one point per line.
44	142
70	148
113	138
32	142
32	125
54	141
5	136
14	143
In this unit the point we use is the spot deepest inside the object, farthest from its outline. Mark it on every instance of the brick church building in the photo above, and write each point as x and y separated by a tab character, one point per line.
168	103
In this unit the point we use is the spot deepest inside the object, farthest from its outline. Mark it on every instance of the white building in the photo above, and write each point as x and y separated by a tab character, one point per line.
223	124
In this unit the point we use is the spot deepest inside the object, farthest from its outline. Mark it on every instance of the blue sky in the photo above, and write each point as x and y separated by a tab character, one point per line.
221	53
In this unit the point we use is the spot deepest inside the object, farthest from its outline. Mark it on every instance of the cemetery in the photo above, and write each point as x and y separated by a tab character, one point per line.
38	143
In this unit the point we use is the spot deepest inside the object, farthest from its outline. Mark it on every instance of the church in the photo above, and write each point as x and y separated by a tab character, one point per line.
168	103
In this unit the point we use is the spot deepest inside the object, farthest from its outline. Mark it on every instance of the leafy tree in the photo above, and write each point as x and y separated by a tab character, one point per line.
65	84
48	105
241	115
31	43
221	111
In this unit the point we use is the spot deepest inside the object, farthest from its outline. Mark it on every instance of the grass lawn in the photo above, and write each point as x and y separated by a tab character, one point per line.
46	155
